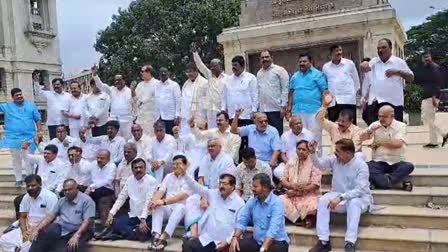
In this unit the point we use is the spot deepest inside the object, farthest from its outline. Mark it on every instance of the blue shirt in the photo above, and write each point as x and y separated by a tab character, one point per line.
20	124
267	217
308	88
264	143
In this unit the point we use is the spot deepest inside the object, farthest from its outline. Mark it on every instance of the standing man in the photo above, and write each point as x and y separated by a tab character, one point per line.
122	107
63	142
430	78
168	97
388	80
343	83
215	88
273	87
144	95
75	113
58	103
97	110
22	123
307	87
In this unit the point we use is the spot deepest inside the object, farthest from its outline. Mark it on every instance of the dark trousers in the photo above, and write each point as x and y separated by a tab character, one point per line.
333	112
196	246
52	131
275	120
372	112
100	193
51	240
169	124
250	245
125	226
99	131
385	176
17	201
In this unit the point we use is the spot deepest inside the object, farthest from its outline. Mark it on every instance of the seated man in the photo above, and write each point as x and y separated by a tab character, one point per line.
89	149
343	128
302	181
168	203
224	204
80	168
195	149
387	167
124	169
142	141
35	205
263	138
349	193
139	189
250	167
289	142
63	142
265	210
162	148
73	227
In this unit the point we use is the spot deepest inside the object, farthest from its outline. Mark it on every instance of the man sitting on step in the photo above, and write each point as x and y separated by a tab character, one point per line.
349	193
387	167
36	204
80	168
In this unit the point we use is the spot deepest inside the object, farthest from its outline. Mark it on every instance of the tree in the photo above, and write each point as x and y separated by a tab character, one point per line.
162	33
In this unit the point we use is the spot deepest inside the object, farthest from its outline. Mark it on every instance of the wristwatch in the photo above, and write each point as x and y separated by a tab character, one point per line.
262	249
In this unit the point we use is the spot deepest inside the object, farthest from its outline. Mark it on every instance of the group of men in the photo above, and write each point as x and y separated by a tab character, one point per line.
208	154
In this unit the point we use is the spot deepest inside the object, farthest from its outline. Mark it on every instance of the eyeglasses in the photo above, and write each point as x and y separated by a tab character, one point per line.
224	183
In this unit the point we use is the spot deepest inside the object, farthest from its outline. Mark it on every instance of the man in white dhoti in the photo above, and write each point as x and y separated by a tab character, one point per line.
350	193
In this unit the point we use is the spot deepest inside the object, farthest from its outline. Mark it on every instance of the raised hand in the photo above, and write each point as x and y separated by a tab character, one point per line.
94	70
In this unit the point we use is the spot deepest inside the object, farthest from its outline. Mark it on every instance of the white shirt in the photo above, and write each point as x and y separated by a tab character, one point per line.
115	146
343	81
162	150
77	107
240	92
103	177
53	173
193	97
221	213
62	150
124	171
55	104
145	98
168	98
38	208
139	193
366	83
211	169
143	146
385	89
122	105
98	105
81	172
89	149
231	142
215	87
273	88
173	185
290	140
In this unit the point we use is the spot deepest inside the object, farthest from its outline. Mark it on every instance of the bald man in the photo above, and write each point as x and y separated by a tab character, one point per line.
387	168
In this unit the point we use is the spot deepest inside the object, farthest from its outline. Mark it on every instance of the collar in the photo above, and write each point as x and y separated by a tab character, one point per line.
311	69
127	163
257	166
76	199
217	157
267	200
231	196
269	68
349	129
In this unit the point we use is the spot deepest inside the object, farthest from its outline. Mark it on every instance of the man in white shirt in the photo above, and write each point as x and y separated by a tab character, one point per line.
231	142
194	92
122	107
139	189
142	141
215	87
365	93
162	148
343	83
168	203
124	169
389	75
58	102
224	205
97	110
80	168
63	142
273	89
168	98
144	95
75	113
88	149
350	193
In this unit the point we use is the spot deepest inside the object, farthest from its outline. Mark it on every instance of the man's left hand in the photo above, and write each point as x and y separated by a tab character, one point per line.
222	245
143	227
334	203
392	72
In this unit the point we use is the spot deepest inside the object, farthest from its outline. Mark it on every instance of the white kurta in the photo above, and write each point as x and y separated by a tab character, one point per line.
147	113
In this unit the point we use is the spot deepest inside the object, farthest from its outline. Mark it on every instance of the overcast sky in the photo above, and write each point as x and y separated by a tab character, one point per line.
80	20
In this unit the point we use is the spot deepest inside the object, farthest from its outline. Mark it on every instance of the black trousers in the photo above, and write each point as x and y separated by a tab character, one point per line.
169	124
333	112
52	131
125	226
372	112
276	120
17	201
385	176
101	192
51	240
250	245
99	131
196	246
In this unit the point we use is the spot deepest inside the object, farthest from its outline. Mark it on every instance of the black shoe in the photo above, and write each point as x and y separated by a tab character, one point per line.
431	146
320	247
445	139
349	247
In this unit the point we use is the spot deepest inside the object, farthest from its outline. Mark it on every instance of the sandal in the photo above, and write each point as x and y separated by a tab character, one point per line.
158	245
407	186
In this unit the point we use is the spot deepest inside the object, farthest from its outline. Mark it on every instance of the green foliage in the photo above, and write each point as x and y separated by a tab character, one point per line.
161	33
413	98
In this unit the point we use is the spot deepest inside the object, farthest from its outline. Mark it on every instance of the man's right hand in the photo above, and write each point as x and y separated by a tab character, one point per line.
365	67
33	235
26	145
238	112
312	146
234	245
94	70
191	122
109	220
